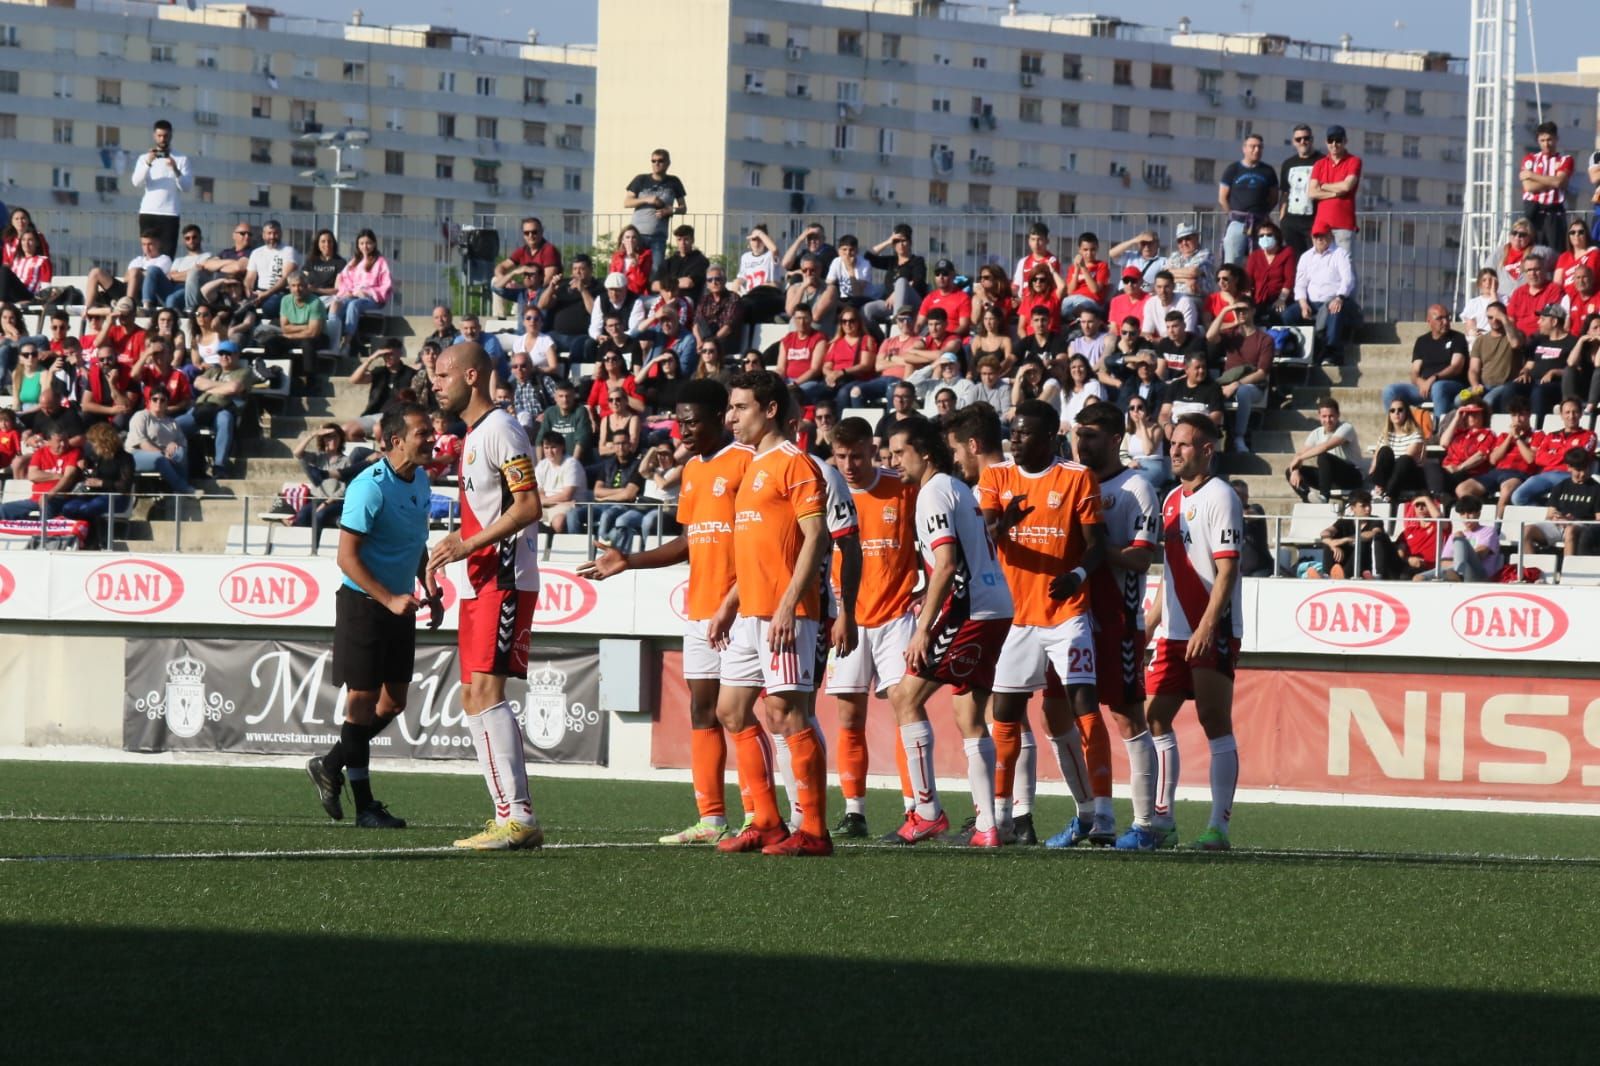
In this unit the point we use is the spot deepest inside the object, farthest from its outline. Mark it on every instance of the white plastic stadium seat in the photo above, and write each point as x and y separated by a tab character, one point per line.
16	489
769	334
568	546
1581	570
1307	521
1500	423
870	415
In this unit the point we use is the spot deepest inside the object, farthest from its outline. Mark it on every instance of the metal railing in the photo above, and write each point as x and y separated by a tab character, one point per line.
1290	551
1404	260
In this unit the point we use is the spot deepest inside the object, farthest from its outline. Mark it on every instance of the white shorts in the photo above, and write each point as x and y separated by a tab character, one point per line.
701	662
748	662
1069	647
879	656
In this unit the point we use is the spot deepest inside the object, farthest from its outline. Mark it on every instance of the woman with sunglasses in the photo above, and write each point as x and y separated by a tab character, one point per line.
536	344
1396	468
806	289
1270	270
994	290
1043	291
29	377
1146	442
13	333
1580	252
611	375
169	327
711	363
850	358
619	417
633	260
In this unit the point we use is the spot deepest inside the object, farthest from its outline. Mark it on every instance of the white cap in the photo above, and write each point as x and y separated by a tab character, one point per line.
616	280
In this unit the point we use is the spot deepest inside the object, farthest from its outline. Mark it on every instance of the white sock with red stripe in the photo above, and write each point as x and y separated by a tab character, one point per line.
1166	746
783	769
980	778
1224	779
1026	781
498	741
1142	776
1069	755
918	739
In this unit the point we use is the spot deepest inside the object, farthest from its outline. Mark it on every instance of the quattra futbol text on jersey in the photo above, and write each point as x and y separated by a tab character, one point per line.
705	530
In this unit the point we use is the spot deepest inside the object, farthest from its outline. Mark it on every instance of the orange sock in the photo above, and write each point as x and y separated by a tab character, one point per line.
853	763
811	781
1007	743
708	758
901	765
754	753
1096	753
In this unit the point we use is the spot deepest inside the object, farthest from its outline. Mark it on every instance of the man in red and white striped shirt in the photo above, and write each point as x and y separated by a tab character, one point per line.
1544	175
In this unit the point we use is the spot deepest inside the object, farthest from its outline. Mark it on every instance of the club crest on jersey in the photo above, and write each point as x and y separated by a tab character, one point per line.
890	516
472	457
1108	501
1054	500
719	487
1188	516
760	480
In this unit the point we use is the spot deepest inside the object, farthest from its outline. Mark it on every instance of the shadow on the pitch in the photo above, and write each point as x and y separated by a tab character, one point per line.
74	994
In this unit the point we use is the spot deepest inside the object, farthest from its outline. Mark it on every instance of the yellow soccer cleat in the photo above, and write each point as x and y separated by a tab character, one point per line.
702	832
512	836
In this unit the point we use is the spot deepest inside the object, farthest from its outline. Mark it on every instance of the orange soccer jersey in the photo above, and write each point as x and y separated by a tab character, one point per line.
779	488
886	511
705	511
1049	542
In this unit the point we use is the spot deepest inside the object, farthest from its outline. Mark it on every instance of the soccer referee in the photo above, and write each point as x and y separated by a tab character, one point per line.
384	533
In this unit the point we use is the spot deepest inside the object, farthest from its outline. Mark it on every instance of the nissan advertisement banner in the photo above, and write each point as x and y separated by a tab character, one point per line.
274	697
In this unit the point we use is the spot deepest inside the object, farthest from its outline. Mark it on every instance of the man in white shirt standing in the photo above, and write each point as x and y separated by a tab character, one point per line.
162	174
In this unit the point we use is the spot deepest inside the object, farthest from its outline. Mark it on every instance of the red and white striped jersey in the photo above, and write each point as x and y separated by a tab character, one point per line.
1131	514
1543	163
1199	528
947	513
497	463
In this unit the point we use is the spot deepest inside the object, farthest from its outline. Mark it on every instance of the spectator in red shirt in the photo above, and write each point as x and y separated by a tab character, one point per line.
924	355
1041	292
1513	460
800	351
851	357
1531	297
1039	255
1583	300
632	260
889	365
528	269
1335	178
155	370
1088	281
1549	454
613	372
1580	252
1247	363
104	390
1544	175
53	469
1129	303
121	329
944	296
1270	268
1467	443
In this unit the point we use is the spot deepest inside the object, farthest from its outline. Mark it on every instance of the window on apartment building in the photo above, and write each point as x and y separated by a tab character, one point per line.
978	195
1205	127
794	180
484	85
1210	81
847	92
1030	109
1294	91
355	202
1410	190
1372	144
1205	171
1160	75
756	33
1413	101
396	77
300	199
886	141
533	133
261	107
752	176
61	131
889	46
1161	123
393	203
447	81
1122	72
1120	115
1069	113
1032	63
163	96
980	62
8	127
355	73
1028	154
1028	201
533	177
302	155
572	181
394	163
571	137
938	193
485	170
446	126
488	128
941	105
444	167
108	137
1072	67
755	81
261	196
533	90
205	189
1066	203
205	56
1242	128
844	137
797	86
60	178
302	114
1377	97
849	42
63	85
161	53
108	91
260	150
1411	147
107	184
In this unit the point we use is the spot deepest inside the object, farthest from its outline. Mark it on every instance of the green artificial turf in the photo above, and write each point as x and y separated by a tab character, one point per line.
1424	941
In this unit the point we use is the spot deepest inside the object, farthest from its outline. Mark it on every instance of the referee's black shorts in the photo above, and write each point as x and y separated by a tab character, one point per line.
372	646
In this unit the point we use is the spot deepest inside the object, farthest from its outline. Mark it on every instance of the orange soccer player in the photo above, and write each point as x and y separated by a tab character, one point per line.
1044	516
706	492
885	509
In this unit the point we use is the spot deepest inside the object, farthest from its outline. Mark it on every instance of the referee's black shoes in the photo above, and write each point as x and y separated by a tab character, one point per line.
329	785
376	816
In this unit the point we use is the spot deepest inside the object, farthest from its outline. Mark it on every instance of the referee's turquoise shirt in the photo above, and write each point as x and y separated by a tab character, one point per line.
391	515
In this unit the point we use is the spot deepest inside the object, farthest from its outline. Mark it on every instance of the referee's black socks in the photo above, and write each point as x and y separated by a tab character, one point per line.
352	753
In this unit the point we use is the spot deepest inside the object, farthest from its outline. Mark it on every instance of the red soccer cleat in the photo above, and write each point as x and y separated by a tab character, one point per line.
916	828
987	838
801	843
752	838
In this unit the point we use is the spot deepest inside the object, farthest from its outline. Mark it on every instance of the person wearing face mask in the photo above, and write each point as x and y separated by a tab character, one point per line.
1271	269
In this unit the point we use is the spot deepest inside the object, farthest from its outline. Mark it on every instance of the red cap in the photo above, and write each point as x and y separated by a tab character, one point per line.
1322	229
1131	274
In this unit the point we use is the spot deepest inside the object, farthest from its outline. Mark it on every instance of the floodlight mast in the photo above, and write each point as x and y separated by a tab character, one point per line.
1491	146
